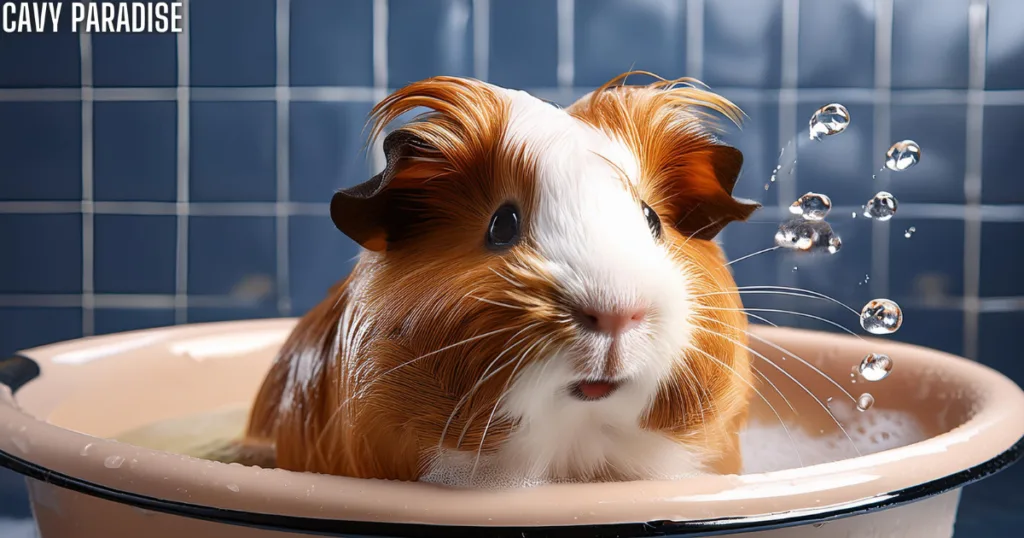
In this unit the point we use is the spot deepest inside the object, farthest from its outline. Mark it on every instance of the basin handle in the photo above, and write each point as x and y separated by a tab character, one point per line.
17	370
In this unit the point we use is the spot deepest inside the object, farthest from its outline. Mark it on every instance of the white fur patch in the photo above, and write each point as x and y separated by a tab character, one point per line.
595	239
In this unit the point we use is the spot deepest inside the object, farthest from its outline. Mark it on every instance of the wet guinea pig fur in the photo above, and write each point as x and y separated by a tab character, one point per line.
539	297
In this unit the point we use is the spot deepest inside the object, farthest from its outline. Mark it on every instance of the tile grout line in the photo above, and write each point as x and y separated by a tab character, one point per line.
986	213
183	163
355	94
695	39
785	189
380	74
880	230
88	218
566	66
481	38
283	24
978	38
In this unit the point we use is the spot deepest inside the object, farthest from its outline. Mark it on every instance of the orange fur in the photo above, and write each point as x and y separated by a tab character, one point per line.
435	311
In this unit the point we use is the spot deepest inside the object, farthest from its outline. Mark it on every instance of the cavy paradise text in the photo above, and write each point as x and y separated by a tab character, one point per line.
92	17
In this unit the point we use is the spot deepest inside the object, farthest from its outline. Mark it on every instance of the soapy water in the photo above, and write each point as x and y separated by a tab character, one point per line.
766	445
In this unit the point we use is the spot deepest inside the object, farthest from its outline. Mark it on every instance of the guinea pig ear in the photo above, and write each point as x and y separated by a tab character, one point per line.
711	206
360	212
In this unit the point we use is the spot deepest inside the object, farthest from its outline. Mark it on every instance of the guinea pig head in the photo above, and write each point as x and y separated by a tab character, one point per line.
541	295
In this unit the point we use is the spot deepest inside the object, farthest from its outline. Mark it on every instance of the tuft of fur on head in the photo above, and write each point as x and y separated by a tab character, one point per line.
442	359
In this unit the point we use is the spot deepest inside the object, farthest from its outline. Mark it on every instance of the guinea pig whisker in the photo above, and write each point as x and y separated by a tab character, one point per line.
483	378
777	390
760	395
692	383
497	403
794	380
495	303
785	351
699	230
779	311
751	255
785	290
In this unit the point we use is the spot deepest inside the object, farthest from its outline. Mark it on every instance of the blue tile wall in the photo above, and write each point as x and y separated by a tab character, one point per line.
743	51
1003	129
233	151
135	151
331	43
225	251
257	250
115	320
615	36
837	44
1005	45
326	148
518	58
918	60
30	269
135	253
319	256
41	148
226	53
428	38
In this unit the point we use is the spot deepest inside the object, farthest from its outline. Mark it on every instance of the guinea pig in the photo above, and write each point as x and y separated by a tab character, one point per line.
539	297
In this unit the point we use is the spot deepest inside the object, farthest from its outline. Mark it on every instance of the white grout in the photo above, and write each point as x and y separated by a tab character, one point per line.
481	39
355	94
88	219
284	303
977	22
566	70
695	39
880	142
181	208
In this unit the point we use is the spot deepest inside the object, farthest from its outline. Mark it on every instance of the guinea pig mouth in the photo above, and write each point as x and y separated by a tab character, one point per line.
590	391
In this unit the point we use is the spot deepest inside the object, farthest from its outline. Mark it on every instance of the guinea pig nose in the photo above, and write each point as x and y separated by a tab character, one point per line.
611	322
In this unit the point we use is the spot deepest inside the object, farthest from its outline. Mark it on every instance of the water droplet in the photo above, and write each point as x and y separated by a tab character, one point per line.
113	462
865	401
875	366
233	487
794	268
902	155
806	235
829	120
881	316
85	450
854	214
881	207
910	231
811	206
834	244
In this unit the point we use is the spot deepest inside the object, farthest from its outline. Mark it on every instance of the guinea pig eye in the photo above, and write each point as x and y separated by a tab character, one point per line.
503	232
653	221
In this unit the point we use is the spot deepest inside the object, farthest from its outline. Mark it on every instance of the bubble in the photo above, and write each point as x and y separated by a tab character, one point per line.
875	366
902	155
807	235
811	206
882	207
910	231
865	401
113	462
881	316
829	120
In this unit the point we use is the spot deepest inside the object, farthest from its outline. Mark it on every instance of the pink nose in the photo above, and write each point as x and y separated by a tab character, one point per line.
611	322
